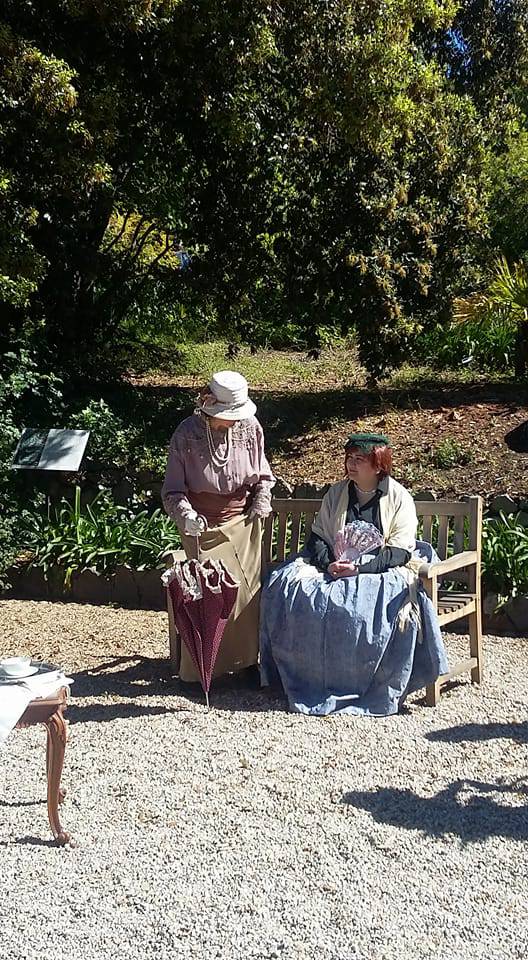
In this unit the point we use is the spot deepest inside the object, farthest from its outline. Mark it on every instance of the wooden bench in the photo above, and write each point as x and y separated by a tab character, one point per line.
454	530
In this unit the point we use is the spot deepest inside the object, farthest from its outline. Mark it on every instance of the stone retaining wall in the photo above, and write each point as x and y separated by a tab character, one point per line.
133	589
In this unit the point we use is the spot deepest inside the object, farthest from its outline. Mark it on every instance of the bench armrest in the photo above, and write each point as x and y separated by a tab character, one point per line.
457	562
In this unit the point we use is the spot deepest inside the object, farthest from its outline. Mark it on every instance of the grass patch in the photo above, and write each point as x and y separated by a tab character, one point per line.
266	369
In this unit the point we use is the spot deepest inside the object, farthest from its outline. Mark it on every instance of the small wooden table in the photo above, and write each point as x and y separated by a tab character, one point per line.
50	712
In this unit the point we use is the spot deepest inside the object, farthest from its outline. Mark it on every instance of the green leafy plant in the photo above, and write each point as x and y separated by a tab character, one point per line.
111	440
506	295
152	459
505	556
99	536
473	345
22	389
450	453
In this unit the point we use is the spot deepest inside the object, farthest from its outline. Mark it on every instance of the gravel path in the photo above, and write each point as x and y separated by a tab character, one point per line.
249	832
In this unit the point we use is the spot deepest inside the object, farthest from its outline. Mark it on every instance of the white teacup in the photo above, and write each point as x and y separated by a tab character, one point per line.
15	666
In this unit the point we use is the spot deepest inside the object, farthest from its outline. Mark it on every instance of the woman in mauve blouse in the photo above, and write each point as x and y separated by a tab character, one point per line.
218	488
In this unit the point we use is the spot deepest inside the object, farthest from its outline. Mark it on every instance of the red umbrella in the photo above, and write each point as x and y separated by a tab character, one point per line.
203	596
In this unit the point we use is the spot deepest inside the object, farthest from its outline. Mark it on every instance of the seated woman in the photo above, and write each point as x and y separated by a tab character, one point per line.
354	636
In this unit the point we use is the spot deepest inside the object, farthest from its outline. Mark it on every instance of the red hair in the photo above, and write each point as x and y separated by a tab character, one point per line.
380	458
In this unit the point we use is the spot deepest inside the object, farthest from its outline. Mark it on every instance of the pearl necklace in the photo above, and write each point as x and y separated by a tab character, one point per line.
217	461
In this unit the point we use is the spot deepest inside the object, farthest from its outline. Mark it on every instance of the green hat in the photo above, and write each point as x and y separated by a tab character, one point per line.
367	441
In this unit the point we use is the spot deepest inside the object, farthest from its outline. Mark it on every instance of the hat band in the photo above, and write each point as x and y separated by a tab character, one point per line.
228	404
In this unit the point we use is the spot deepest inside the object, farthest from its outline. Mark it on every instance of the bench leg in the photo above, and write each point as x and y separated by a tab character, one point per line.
475	642
174	639
56	727
432	694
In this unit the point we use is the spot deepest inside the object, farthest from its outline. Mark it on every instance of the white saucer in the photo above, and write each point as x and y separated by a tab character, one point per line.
28	672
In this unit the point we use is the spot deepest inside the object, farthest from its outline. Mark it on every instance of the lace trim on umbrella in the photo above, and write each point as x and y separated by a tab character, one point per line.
194	577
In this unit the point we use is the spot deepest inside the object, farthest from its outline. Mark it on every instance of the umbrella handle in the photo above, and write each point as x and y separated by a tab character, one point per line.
197	538
194	551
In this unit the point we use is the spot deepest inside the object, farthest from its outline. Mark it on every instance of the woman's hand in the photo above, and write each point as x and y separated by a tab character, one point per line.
260	506
194	525
342	568
258	512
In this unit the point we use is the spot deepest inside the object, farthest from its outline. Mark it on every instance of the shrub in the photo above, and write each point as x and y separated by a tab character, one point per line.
505	556
488	347
111	440
450	453
23	390
99	536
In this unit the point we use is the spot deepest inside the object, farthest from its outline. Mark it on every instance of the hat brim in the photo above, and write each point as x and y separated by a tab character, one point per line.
241	412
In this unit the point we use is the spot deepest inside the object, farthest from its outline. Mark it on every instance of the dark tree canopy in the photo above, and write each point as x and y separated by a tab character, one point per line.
323	163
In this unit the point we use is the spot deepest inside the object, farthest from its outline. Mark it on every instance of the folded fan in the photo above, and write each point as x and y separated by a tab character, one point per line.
355	539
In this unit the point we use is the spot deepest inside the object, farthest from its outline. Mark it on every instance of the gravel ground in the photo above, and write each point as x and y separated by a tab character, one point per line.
250	832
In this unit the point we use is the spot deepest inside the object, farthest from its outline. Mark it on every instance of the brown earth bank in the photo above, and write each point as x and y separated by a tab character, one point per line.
447	429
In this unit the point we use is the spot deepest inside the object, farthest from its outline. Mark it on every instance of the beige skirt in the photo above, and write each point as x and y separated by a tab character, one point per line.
238	542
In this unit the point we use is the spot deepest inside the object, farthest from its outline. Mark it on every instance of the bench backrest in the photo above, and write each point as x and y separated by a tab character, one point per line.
450	527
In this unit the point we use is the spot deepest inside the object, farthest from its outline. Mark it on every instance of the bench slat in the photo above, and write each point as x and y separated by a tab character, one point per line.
281	536
309	518
443	534
295	530
458	540
427	528
267	539
440	508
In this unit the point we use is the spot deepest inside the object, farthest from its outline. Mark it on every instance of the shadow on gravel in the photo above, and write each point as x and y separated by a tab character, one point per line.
20	803
482	731
30	842
465	809
137	678
132	676
106	712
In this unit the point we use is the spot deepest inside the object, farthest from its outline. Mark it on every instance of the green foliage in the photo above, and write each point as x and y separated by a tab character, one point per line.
322	163
99	536
111	441
81	139
484	52
22	388
507	296
505	556
450	453
508	175
486	346
119	442
356	190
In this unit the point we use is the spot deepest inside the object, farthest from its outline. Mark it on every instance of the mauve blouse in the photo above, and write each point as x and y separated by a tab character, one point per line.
189	467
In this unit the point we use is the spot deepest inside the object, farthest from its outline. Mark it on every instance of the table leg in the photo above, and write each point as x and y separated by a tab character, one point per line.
56	727
49	753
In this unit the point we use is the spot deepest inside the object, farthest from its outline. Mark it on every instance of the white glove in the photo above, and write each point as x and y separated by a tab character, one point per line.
194	525
260	507
256	513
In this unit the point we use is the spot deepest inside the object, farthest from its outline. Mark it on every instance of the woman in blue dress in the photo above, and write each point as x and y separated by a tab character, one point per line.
354	635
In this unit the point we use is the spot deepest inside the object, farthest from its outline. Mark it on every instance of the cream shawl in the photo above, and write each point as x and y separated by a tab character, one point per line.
397	514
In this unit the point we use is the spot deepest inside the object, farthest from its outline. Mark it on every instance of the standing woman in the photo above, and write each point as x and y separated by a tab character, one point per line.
218	488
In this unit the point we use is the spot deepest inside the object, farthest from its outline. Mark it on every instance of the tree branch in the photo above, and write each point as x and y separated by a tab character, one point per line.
141	223
135	256
118	236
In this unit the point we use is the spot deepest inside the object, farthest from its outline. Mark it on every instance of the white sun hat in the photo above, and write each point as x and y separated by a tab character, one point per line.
228	397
